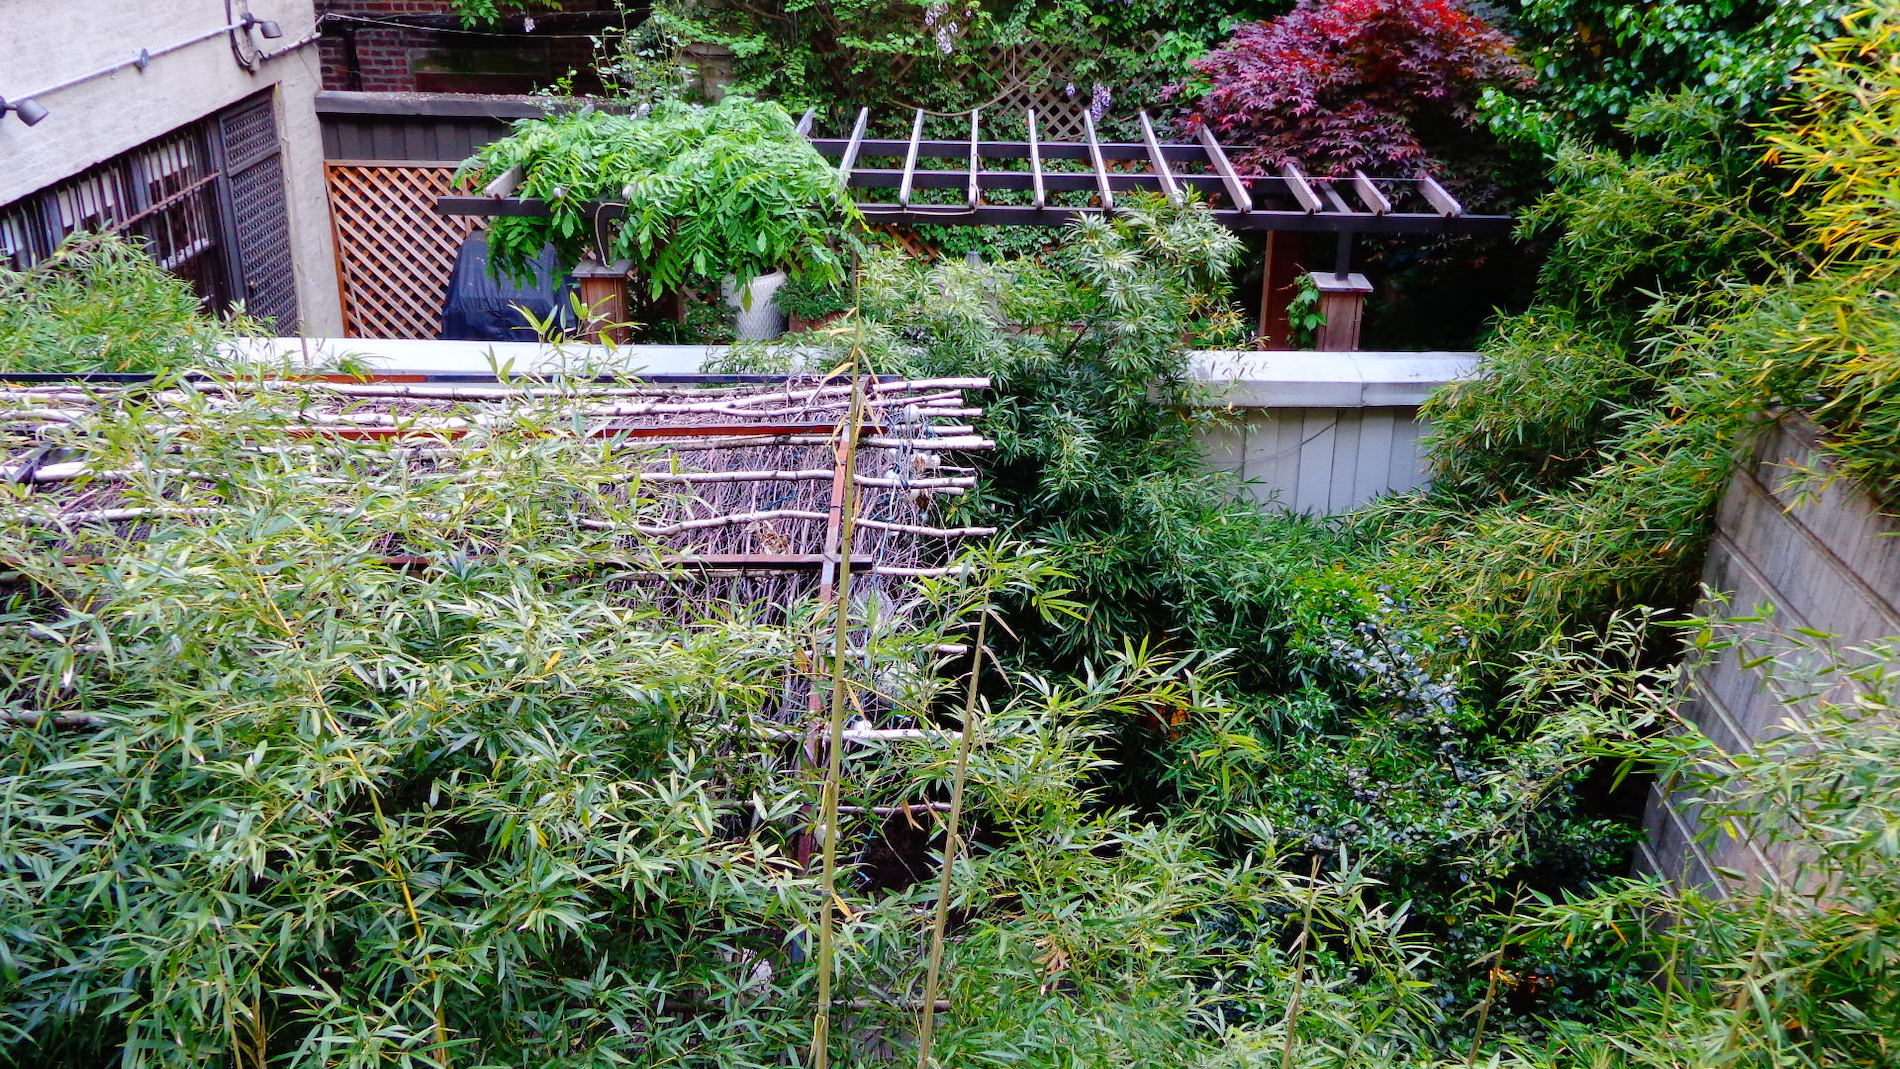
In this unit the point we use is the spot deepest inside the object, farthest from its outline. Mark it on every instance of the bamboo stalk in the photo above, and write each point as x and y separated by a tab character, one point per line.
834	760
940	917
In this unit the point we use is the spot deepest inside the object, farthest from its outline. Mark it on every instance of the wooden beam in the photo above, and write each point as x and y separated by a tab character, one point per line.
976	140
1440	198
1329	189
1302	189
1101	168
850	157
805	120
1160	162
504	184
1035	162
1236	192
1369	194
910	158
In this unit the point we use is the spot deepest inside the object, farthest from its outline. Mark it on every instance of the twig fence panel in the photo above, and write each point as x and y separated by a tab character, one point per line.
394	250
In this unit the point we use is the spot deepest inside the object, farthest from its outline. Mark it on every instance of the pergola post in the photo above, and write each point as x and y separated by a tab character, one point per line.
1279	283
604	295
1342	301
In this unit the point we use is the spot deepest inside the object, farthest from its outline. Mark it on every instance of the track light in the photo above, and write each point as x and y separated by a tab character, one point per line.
264	26
29	111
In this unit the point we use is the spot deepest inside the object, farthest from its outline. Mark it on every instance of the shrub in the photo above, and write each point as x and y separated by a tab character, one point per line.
101	304
730	189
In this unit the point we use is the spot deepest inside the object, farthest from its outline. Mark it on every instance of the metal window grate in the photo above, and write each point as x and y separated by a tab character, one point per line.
163	194
249	134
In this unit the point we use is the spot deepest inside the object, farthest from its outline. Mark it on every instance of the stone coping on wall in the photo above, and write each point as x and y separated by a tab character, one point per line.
1298	379
1232	378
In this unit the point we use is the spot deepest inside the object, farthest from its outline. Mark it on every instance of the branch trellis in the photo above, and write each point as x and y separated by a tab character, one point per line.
750	491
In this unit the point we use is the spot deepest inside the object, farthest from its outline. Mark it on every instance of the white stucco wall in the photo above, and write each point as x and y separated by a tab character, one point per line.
45	42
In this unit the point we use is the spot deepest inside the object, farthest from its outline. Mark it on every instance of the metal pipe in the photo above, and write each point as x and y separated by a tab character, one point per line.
141	61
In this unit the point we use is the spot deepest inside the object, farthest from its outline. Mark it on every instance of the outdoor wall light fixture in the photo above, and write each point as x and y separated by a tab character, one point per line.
264	26
29	111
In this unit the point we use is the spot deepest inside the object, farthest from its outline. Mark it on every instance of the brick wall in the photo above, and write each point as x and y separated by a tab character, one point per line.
411	46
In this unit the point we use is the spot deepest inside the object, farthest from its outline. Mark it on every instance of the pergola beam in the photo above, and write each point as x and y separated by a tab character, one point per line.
1237	193
1035	161
850	157
1158	161
1287	201
910	158
974	194
1102	189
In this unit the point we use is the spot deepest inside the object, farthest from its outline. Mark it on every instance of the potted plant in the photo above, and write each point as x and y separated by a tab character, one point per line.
812	304
695	196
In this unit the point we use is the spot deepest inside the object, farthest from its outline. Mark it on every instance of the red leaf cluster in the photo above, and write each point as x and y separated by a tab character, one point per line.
1385	85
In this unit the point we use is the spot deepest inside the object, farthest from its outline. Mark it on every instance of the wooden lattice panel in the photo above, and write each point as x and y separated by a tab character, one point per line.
394	251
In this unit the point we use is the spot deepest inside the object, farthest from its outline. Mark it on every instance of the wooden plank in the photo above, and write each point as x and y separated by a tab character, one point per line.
1237	194
1342	491
505	183
1371	470
974	195
1302	189
1407	470
1319	428
1102	189
1035	162
1369	194
1158	161
805	121
1440	198
850	157
910	158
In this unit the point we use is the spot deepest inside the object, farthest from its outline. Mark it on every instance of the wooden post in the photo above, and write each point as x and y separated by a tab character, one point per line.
1279	282
1342	301
604	293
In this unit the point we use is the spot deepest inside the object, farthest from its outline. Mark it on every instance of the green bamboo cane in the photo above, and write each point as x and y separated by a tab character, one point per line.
939	921
834	759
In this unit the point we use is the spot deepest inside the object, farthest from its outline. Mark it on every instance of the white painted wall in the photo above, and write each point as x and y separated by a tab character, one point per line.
45	42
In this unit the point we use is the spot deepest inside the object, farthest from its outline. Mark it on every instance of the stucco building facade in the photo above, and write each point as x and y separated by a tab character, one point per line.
188	124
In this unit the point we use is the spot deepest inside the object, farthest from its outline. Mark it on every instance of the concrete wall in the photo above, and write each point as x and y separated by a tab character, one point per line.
1827	562
45	42
1322	432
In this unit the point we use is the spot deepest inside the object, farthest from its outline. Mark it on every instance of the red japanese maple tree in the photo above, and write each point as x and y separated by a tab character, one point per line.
1387	85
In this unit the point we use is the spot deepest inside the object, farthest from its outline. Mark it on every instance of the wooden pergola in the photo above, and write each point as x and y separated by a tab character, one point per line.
1024	183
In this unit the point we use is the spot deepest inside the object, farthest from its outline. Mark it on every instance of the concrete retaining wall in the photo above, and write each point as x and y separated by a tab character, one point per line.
1825	561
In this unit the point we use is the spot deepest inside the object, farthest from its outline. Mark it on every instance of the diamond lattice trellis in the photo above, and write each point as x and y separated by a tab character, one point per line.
394	251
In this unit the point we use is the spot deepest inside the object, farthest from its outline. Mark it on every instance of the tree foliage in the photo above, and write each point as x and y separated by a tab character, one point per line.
1597	61
1342	84
730	189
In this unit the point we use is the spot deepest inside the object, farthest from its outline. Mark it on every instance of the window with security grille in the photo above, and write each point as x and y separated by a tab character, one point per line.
206	200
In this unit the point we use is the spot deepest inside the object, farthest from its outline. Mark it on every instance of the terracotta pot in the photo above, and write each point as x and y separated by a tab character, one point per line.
801	325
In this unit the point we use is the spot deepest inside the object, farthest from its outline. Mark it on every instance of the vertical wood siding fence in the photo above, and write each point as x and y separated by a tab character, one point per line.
1826	561
1321	433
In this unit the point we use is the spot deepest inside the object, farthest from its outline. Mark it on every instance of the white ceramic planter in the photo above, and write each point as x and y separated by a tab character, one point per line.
758	315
